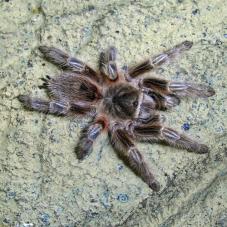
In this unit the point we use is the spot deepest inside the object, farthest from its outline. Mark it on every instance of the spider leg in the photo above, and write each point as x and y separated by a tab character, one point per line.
107	63
155	132
176	139
57	107
88	136
158	60
154	100
64	61
44	106
180	89
126	149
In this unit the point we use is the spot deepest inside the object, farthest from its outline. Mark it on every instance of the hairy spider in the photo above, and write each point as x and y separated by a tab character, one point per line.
123	103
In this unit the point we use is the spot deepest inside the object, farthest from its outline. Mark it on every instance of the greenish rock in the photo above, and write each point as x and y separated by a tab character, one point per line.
41	181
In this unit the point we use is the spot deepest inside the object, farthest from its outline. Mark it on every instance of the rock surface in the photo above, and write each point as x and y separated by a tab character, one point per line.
41	181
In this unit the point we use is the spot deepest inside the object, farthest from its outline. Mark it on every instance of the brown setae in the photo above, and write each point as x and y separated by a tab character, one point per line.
121	102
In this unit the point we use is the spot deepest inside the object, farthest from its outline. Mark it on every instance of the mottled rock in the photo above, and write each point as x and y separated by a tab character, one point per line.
41	180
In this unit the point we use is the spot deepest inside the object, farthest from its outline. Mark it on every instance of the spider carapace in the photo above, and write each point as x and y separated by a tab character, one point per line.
122	102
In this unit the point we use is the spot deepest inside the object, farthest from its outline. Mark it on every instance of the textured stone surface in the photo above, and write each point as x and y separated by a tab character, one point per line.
41	181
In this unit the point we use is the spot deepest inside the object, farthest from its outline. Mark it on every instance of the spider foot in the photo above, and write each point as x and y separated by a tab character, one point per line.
203	149
155	185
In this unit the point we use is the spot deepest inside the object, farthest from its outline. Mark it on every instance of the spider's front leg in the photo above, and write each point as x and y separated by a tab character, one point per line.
158	60
66	62
107	63
88	136
123	144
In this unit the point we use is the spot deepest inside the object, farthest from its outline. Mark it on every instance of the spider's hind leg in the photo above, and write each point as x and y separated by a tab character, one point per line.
123	144
157	133
176	139
44	106
56	107
180	89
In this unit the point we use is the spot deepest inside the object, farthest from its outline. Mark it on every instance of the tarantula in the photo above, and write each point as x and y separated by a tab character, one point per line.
122	102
